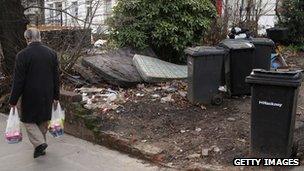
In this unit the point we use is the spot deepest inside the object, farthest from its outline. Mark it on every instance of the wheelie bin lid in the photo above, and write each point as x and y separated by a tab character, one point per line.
262	41
277	28
234	44
277	78
205	50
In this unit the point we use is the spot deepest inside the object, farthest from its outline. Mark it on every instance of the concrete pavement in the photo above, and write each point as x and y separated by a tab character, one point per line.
65	154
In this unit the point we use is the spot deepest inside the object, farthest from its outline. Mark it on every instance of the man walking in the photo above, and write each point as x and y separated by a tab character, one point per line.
36	81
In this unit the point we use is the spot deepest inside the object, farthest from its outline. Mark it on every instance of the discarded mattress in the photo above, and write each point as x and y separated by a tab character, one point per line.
116	67
156	70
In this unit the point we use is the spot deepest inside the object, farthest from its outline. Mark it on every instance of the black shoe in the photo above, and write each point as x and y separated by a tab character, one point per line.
40	150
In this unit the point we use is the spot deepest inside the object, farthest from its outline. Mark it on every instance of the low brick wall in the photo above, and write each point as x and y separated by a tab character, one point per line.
82	123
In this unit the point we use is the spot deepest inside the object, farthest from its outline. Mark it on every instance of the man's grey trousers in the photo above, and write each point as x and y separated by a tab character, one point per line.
36	133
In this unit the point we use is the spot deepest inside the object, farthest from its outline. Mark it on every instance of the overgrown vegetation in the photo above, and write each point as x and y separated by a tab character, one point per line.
168	27
293	17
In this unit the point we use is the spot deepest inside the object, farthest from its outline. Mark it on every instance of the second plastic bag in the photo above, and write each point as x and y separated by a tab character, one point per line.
56	124
13	132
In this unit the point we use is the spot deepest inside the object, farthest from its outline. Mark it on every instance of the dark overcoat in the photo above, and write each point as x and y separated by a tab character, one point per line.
36	81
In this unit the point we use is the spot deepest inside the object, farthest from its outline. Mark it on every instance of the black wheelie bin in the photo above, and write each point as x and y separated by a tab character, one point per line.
205	66
263	49
238	66
273	110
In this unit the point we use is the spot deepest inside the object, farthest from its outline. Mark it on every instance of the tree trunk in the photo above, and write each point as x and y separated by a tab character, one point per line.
226	18
41	12
12	26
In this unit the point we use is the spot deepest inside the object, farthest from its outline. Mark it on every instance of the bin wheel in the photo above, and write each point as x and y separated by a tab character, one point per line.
294	149
217	99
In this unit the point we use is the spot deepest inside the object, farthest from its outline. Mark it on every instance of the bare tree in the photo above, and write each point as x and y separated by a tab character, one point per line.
246	13
70	54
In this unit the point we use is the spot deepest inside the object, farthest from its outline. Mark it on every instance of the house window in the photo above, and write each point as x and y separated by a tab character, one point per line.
107	10
75	8
89	10
51	13
58	13
108	7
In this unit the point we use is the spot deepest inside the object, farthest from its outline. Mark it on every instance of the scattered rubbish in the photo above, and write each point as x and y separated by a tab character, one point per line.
231	119
89	90
193	156
120	109
111	97
183	131
203	107
84	97
170	89
277	61
167	99
241	140
140	95
198	129
143	141
223	88
100	43
100	98
155	95
140	86
216	149
182	93
89	102
156	70
205	152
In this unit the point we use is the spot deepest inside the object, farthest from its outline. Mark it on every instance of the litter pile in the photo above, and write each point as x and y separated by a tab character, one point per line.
100	98
106	99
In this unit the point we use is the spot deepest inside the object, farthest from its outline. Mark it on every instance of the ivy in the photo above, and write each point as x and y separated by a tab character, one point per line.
293	18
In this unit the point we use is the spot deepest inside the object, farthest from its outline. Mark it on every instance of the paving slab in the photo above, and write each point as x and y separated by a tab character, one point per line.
65	154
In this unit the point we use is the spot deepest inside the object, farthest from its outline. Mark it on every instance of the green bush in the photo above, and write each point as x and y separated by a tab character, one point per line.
167	26
293	18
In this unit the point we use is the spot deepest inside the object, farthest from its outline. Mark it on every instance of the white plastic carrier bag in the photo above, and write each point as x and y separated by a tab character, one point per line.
56	124
13	132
